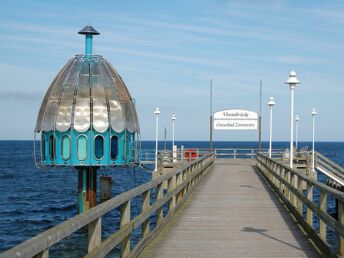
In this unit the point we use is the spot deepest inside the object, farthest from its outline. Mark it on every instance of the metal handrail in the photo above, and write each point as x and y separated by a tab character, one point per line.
288	183
180	183
149	154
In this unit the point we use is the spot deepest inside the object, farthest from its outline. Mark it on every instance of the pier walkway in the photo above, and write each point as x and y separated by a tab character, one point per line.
233	212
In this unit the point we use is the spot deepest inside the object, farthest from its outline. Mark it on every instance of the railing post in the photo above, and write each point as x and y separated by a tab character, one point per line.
310	198
341	221
323	204
43	254
178	182
94	234
145	206
275	169
171	187
125	219
294	185
300	190
159	196
288	178
234	153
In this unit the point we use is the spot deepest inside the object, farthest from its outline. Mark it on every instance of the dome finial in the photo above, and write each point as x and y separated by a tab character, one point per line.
88	31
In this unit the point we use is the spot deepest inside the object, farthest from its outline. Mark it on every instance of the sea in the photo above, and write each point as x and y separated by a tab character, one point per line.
33	200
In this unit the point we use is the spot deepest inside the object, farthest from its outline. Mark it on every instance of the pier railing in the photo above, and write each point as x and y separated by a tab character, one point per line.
148	155
333	171
289	184
180	184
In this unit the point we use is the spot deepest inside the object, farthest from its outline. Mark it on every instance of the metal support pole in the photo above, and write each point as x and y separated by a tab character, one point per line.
87	188
313	138
291	128
157	112
260	117
270	138
211	117
271	104
292	81
297	119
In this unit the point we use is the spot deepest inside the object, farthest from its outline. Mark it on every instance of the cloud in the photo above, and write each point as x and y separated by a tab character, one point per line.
20	96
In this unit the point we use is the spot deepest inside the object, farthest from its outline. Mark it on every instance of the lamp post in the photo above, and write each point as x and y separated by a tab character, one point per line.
297	119
173	118
271	104
156	112
314	113
292	81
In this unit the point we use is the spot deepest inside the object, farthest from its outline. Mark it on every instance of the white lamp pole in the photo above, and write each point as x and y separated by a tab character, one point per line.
156	112
292	81
297	119
314	113
271	104
173	118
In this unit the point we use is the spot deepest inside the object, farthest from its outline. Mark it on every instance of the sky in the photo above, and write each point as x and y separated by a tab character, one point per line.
167	52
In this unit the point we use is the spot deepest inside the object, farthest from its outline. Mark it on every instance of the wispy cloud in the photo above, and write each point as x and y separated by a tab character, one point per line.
20	96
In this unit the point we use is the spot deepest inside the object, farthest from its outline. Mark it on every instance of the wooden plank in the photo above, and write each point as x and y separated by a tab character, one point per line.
231	213
94	234
44	254
125	220
145	207
323	202
341	221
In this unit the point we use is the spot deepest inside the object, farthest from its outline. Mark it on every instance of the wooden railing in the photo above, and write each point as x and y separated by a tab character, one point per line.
329	165
180	183
288	183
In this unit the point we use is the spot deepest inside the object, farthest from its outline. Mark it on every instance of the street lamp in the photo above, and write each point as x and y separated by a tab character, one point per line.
173	118
314	113
297	119
156	112
271	103
292	81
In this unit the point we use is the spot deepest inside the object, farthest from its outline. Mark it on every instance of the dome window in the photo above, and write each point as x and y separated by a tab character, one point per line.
114	147
52	147
82	147
43	148
65	147
99	147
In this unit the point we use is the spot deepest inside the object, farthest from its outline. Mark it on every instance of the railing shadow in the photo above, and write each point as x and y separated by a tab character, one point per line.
288	219
262	232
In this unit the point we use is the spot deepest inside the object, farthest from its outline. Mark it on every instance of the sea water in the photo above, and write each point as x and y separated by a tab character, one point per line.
34	200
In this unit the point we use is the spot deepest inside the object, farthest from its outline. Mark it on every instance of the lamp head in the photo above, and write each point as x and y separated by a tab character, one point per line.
157	111
314	113
297	118
292	80
173	118
271	102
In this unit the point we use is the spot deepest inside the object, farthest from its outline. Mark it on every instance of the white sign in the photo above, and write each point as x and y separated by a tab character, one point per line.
235	119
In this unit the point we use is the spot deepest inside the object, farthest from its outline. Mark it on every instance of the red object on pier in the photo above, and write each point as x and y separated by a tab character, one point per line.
191	154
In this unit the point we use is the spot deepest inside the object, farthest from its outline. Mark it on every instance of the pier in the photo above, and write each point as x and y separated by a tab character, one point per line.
232	213
214	207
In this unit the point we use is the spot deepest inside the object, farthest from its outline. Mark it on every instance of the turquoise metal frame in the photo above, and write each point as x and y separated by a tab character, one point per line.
126	148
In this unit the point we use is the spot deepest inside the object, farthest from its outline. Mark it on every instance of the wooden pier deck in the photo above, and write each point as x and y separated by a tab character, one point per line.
232	213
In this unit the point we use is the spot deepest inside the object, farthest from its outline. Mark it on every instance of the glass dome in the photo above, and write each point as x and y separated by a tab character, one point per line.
87	117
86	94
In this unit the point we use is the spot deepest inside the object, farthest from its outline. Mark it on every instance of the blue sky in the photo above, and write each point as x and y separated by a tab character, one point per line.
166	52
